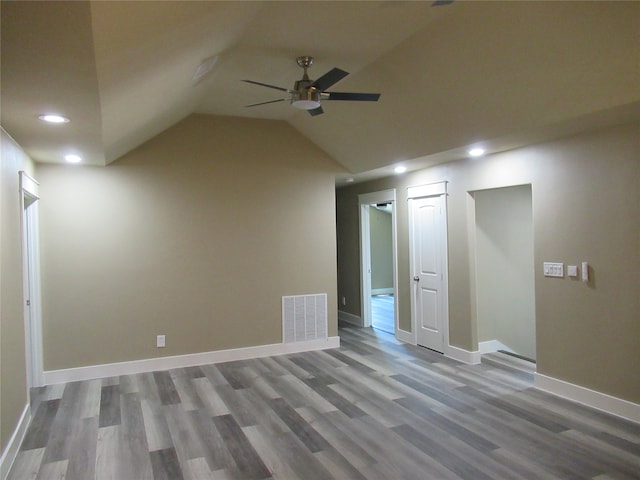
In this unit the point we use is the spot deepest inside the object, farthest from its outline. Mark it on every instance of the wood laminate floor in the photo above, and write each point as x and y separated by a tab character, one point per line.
372	409
383	313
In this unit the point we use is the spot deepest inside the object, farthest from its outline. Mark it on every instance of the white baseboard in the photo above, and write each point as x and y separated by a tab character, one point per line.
53	377
461	355
350	318
13	446
491	346
591	398
405	336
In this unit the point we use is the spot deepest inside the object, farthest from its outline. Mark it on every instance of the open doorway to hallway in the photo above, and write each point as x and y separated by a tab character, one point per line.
378	261
31	279
505	271
381	243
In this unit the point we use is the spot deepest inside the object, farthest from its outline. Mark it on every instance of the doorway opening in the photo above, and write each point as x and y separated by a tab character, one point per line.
378	260
504	277
31	279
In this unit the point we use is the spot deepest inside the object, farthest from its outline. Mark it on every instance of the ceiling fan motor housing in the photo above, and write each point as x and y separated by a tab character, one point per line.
303	97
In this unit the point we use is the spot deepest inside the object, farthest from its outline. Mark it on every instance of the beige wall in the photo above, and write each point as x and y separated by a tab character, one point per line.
381	242
195	235
348	248
13	373
488	70
586	192
505	268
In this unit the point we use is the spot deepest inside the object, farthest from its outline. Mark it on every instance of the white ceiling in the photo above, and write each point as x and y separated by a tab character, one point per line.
501	74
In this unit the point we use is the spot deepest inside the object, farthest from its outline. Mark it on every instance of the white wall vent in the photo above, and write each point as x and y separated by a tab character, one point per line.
304	317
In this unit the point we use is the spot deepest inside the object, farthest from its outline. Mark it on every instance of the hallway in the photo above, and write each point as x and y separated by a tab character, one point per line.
382	313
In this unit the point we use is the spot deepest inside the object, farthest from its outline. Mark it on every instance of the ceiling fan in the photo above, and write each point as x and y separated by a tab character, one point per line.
307	94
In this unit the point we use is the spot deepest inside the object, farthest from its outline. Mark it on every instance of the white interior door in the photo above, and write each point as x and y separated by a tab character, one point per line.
428	243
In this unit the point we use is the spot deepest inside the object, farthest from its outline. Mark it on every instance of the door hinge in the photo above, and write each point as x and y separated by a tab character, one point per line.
28	303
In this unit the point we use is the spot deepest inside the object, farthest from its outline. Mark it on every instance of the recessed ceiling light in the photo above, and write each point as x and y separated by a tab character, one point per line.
476	152
72	158
53	118
400	169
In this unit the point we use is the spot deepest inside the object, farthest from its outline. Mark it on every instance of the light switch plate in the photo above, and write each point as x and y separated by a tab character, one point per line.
553	269
572	270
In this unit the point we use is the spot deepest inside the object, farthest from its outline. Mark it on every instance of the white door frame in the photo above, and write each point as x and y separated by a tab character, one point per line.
364	201
423	191
31	279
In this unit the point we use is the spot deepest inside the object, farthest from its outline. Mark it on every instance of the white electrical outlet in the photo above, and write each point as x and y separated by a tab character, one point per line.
161	341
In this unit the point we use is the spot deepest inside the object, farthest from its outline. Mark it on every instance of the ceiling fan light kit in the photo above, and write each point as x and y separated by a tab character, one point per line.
311	101
307	94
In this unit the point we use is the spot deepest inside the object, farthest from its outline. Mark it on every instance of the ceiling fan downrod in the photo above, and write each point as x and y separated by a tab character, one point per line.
305	62
305	97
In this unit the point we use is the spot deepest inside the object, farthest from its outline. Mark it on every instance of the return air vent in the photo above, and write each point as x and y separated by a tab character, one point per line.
304	317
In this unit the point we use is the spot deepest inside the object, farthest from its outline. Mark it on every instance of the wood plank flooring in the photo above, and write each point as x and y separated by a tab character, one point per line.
383	313
372	409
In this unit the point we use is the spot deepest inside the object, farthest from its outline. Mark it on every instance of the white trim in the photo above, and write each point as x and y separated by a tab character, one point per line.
490	346
472	259
349	318
591	398
382	291
377	197
28	184
35	362
32	315
445	276
427	190
455	353
365	264
462	355
364	200
405	336
394	246
13	446
165	363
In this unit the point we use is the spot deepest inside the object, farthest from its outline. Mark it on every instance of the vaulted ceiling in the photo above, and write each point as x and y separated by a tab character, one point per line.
500	74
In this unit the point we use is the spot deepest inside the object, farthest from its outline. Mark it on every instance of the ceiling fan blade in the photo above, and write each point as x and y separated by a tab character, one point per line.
268	86
331	77
264	103
316	111
358	97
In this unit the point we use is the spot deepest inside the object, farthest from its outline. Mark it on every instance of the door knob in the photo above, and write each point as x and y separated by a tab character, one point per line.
416	278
